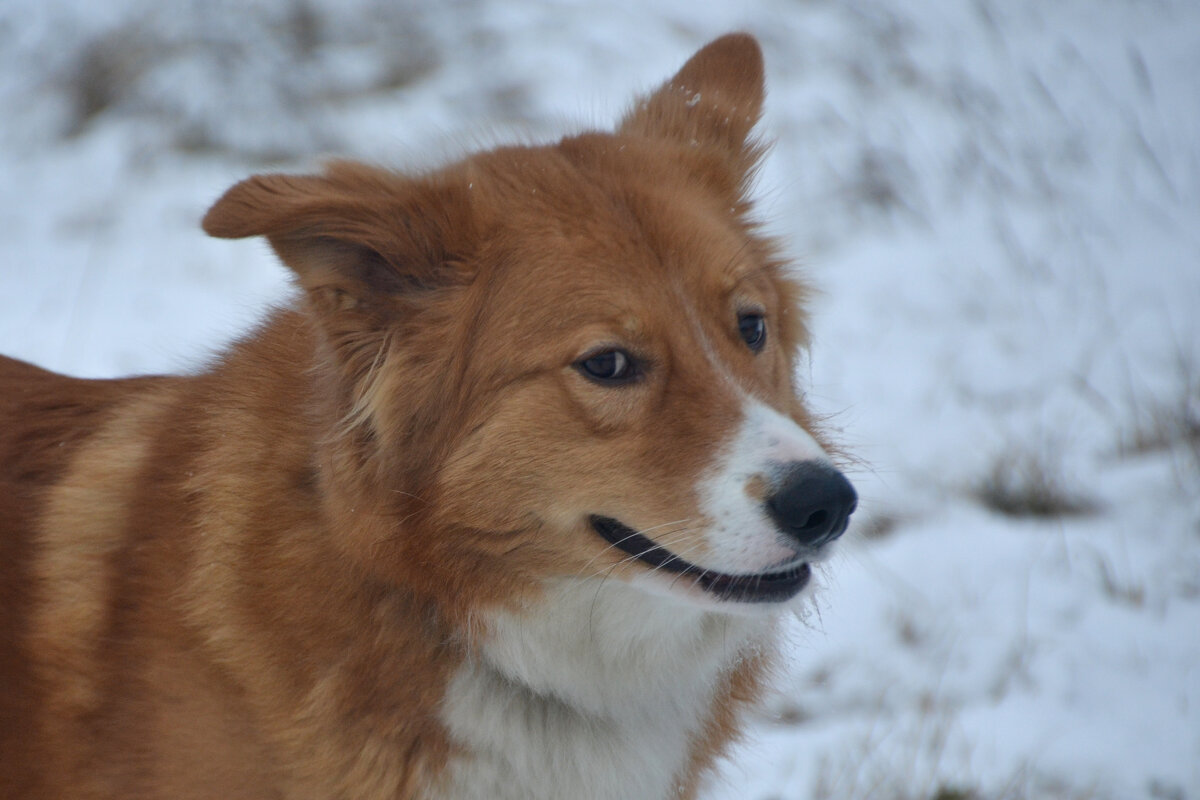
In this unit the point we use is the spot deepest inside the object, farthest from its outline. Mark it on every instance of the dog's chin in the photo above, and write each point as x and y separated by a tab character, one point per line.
680	576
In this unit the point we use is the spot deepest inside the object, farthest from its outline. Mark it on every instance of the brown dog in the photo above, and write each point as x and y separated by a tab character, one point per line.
505	507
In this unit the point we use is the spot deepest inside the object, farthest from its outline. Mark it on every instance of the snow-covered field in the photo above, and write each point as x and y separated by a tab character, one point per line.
1000	200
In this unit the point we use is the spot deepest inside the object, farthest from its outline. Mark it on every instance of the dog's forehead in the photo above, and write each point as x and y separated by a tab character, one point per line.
609	222
626	284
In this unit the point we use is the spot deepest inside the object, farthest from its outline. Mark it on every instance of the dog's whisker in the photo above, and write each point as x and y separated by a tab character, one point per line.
416	497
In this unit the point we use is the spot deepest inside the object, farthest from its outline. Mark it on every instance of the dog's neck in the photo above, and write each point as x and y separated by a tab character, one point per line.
599	690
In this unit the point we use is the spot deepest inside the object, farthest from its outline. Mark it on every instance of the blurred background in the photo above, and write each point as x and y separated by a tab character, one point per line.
998	199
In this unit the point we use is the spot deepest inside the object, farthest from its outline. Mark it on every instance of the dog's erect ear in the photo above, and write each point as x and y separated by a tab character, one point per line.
355	234
714	100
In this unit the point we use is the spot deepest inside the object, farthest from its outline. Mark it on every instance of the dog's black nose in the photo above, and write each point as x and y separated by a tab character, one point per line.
813	503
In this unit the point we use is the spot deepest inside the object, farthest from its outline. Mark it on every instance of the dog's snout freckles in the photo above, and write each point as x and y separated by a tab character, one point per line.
757	487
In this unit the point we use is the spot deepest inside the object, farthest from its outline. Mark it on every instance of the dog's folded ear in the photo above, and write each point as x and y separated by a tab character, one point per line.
714	101
356	234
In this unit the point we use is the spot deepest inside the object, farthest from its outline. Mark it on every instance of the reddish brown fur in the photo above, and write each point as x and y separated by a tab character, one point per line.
212	583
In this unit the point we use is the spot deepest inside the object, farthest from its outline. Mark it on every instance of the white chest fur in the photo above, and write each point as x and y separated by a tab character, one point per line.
598	692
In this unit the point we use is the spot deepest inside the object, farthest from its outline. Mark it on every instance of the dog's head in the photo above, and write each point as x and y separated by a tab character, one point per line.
571	360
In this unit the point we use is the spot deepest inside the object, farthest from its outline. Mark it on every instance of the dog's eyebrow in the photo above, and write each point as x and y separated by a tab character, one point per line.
735	272
746	275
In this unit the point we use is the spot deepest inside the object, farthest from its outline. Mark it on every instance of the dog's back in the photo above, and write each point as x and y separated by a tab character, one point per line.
95	655
102	662
44	417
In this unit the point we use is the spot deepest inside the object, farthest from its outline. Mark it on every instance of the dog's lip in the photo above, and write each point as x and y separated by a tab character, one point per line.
761	587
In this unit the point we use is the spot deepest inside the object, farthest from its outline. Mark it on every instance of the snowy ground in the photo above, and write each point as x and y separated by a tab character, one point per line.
999	198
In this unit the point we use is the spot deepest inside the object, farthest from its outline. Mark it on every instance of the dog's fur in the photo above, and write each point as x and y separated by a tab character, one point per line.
353	557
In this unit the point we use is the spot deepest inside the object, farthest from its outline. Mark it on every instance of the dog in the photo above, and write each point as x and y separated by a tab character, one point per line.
507	504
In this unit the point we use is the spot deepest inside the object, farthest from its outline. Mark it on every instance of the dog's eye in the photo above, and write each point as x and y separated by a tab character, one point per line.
753	329
609	367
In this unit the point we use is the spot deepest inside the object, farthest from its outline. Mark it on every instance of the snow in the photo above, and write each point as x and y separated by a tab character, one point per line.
1000	202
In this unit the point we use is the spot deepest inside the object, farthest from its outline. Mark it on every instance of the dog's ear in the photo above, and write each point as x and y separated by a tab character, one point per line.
714	101
371	249
355	235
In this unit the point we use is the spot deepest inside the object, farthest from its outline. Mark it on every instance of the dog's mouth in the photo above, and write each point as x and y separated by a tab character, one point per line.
763	587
